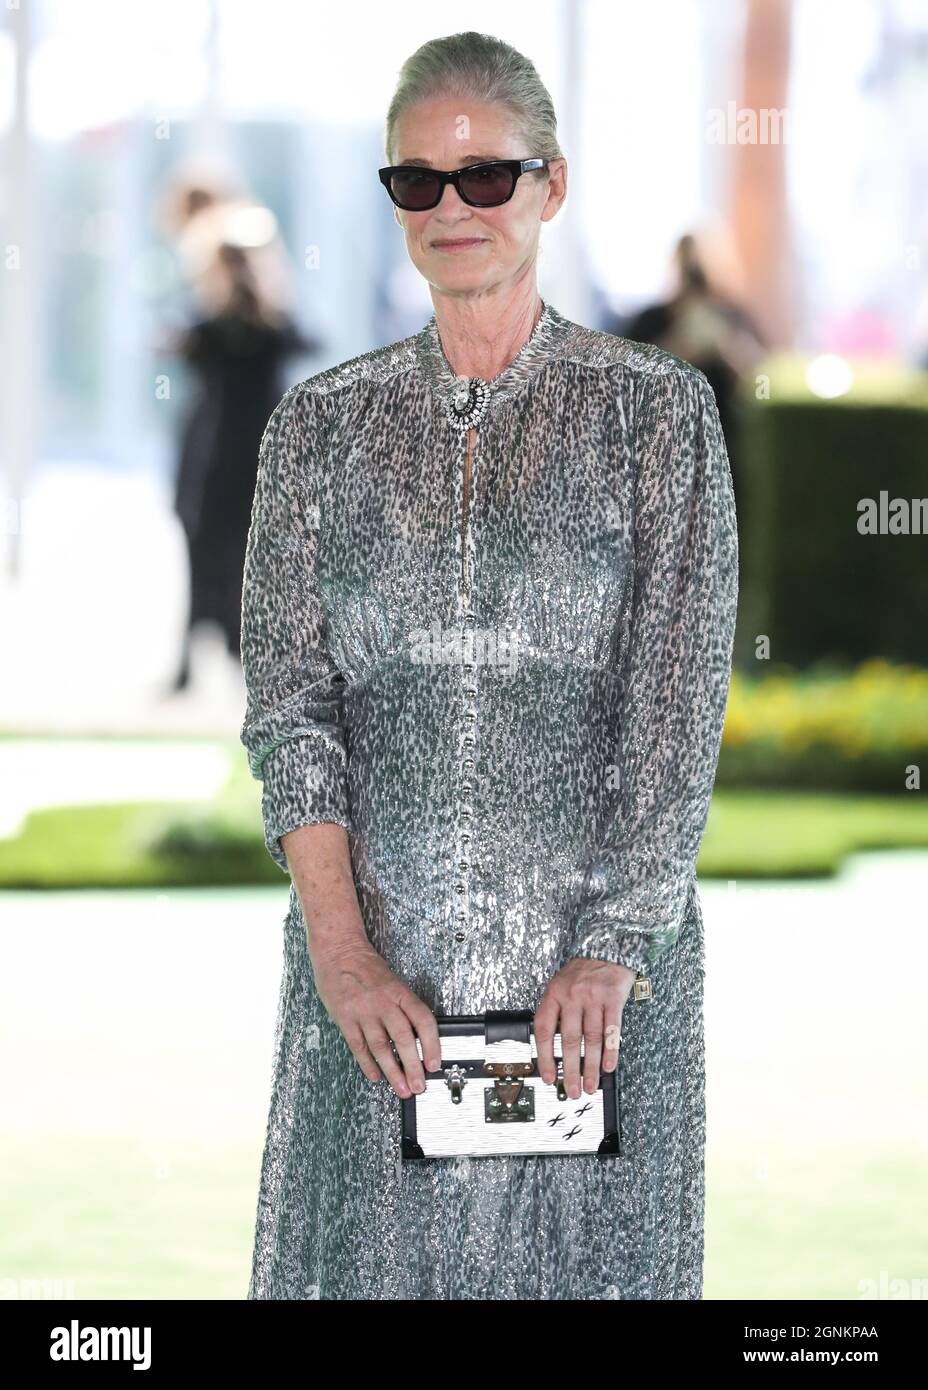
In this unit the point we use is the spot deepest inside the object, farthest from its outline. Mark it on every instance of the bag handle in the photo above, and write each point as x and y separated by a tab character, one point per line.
503	1025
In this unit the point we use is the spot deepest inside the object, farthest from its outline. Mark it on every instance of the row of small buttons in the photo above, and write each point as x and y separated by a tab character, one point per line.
466	809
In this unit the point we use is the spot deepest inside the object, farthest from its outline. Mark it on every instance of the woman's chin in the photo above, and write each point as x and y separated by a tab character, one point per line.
461	278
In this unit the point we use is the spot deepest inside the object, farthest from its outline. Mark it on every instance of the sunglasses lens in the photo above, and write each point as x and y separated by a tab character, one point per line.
492	184
413	189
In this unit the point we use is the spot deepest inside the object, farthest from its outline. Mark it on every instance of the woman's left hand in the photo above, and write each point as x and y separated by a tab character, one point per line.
584	1000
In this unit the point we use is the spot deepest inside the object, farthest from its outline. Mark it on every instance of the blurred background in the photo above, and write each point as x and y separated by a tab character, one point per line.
192	222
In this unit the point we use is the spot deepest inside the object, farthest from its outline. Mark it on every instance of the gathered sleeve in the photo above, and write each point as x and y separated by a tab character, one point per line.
676	676
293	728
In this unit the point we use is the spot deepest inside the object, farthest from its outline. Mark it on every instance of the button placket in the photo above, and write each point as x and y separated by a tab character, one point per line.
467	727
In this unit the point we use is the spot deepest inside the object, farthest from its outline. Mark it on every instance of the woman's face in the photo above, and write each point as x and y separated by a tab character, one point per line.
502	242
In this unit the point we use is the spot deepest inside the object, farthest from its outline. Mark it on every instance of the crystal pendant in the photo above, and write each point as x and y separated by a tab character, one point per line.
468	402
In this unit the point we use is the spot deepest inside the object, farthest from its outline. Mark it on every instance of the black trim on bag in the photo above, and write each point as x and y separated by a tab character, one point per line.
503	1025
411	1149
609	1146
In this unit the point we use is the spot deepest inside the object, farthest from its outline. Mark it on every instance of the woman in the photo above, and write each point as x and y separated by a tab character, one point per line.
469	836
237	351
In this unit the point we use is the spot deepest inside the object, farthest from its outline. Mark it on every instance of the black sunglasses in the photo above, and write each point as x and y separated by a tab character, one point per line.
416	188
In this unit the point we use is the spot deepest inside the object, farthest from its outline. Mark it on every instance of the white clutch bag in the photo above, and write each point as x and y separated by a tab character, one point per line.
488	1097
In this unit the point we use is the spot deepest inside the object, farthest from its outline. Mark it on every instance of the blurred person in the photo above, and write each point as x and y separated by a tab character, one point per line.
708	328
237	350
199	209
467	835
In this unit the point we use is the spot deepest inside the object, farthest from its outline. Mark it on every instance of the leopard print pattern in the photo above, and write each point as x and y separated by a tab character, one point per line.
512	699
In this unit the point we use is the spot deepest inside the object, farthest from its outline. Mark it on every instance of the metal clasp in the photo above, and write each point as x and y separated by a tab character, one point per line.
642	988
507	1100
455	1080
508	1068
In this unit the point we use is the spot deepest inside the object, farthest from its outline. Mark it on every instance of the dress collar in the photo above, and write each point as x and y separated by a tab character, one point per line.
546	339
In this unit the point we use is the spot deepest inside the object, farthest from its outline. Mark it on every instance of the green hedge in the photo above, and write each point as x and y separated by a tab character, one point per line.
810	581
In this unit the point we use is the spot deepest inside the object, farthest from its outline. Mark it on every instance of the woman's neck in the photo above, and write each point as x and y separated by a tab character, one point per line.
482	334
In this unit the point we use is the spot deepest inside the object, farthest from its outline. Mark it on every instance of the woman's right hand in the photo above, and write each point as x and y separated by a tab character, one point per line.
372	1005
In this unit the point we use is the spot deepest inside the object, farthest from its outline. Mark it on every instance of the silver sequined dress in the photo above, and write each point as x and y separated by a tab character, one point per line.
511	695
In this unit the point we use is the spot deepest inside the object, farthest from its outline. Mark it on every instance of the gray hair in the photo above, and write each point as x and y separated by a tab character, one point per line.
481	68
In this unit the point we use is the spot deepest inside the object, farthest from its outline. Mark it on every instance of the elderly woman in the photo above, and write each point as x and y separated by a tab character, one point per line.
470	836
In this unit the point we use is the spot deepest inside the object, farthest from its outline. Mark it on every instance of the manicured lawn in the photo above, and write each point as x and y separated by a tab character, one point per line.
763	834
781	834
139	1062
108	1219
780	1225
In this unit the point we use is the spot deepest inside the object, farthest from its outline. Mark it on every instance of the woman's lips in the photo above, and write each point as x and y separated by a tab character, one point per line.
462	244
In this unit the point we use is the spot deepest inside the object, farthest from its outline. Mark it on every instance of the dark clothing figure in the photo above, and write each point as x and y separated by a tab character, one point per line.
238	358
709	319
706	328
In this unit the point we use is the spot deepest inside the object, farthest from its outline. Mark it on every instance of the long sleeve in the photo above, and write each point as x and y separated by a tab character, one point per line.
294	720
675	677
